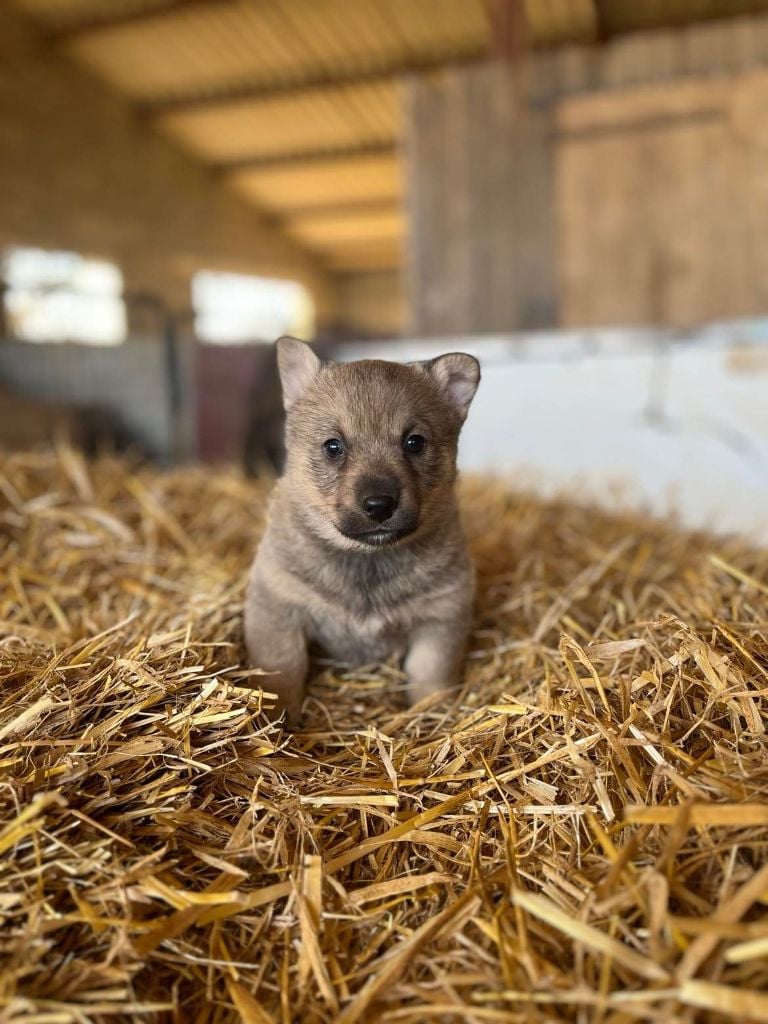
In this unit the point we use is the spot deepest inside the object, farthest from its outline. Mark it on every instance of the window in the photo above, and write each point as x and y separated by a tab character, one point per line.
234	309
62	296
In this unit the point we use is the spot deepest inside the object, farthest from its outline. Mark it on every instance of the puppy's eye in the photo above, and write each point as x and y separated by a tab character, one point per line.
333	448
414	444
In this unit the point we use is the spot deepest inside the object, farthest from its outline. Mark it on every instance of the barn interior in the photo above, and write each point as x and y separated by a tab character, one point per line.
184	180
574	191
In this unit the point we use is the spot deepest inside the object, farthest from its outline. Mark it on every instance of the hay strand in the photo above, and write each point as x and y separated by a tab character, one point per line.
580	833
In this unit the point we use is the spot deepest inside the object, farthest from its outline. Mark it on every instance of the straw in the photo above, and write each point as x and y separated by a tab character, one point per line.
579	833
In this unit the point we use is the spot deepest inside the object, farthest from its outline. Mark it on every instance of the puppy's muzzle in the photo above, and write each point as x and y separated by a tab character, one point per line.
378	496
379	507
378	517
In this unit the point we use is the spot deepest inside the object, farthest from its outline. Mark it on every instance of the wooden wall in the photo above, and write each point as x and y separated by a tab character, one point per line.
481	223
621	184
662	203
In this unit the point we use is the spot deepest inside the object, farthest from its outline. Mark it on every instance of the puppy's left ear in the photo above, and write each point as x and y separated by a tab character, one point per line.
298	366
458	375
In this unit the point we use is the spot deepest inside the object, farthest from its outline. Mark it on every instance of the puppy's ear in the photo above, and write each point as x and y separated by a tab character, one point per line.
458	375
298	366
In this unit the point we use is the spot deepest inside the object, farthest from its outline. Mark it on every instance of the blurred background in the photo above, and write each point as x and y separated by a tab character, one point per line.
574	190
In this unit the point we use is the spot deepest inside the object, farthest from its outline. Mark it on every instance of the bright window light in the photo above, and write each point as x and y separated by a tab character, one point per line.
62	296
232	309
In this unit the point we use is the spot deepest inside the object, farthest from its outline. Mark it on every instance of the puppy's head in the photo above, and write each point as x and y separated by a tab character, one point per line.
371	445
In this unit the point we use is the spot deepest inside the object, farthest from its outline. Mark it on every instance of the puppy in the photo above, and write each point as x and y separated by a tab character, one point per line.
364	556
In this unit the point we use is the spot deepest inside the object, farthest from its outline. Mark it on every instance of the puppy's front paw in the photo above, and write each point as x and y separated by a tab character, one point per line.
287	706
293	715
433	661
419	690
281	654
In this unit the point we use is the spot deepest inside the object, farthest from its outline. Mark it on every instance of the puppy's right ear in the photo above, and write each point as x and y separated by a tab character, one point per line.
298	366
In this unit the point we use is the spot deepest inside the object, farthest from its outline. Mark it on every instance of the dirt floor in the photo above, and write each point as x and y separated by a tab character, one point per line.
579	834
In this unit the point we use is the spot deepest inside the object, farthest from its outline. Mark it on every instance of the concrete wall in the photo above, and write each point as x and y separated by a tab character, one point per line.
668	421
78	170
131	382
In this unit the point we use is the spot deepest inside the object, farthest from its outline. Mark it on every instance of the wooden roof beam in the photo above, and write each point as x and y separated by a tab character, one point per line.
339	77
510	28
278	160
339	208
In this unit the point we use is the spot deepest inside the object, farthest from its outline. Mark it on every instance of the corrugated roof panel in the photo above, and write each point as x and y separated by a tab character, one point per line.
377	177
618	16
262	40
65	12
205	48
329	230
324	119
557	21
346	208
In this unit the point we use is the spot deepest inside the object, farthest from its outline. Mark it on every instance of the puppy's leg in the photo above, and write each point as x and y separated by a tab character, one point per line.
279	647
434	657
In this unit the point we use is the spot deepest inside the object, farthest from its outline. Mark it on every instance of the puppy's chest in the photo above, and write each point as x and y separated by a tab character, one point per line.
358	642
367	617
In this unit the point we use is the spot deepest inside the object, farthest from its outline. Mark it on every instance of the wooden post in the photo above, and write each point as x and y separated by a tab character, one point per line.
480	197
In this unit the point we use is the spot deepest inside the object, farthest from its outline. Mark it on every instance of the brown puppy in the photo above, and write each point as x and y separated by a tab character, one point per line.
364	555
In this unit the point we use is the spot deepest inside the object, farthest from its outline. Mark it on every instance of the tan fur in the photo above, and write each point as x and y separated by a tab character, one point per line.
327	575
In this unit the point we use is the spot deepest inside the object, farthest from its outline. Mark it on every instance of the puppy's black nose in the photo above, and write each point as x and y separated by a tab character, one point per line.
379	506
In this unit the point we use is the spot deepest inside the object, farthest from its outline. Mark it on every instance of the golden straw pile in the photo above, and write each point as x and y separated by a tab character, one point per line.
580	834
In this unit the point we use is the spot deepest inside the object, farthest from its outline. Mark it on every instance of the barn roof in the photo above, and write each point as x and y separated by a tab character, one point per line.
297	103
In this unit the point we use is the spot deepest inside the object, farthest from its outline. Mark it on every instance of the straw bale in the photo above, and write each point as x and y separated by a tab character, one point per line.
577	834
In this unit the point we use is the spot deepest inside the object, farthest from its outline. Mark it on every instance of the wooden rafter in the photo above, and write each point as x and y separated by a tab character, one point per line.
381	71
275	162
510	28
341	208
